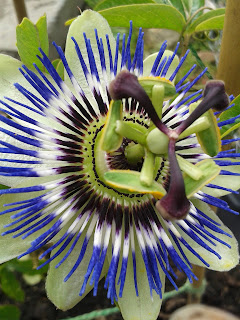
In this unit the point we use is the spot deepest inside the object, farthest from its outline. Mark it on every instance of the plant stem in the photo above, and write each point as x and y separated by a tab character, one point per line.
199	272
20	9
229	62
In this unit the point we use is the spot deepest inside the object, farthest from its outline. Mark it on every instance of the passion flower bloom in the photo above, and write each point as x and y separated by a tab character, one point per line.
113	169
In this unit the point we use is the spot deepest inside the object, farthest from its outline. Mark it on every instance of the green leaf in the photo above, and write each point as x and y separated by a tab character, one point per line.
70	21
29	38
215	23
24	266
178	4
105	4
187	5
231	113
3	187
204	17
145	16
41	26
233	128
197	5
11	286
9	312
92	3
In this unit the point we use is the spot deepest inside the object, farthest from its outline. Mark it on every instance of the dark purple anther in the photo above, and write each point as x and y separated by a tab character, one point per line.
126	85
174	205
214	97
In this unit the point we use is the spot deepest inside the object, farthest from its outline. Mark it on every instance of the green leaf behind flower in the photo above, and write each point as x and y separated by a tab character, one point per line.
11	286
9	312
231	113
29	38
215	23
145	16
105	4
205	22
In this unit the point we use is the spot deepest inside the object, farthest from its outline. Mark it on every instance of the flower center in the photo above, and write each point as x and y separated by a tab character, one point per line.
174	204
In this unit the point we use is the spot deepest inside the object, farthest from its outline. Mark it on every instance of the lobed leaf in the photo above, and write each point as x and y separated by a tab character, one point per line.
29	38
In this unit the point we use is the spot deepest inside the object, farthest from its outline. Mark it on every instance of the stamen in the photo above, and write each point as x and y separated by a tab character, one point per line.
126	85
214	97
174	205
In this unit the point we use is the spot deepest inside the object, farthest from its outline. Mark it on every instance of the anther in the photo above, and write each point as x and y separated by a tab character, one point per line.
214	96
126	85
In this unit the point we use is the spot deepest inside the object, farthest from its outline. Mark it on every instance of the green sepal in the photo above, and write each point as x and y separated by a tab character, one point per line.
209	171
129	181
209	139
111	140
30	37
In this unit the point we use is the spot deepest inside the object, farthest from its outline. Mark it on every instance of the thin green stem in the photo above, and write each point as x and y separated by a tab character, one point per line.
187	287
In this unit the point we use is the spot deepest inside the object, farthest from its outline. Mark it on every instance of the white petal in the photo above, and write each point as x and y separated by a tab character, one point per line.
65	295
142	307
88	22
226	181
14	247
230	256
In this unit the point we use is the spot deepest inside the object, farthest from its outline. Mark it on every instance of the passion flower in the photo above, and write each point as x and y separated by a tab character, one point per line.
112	170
